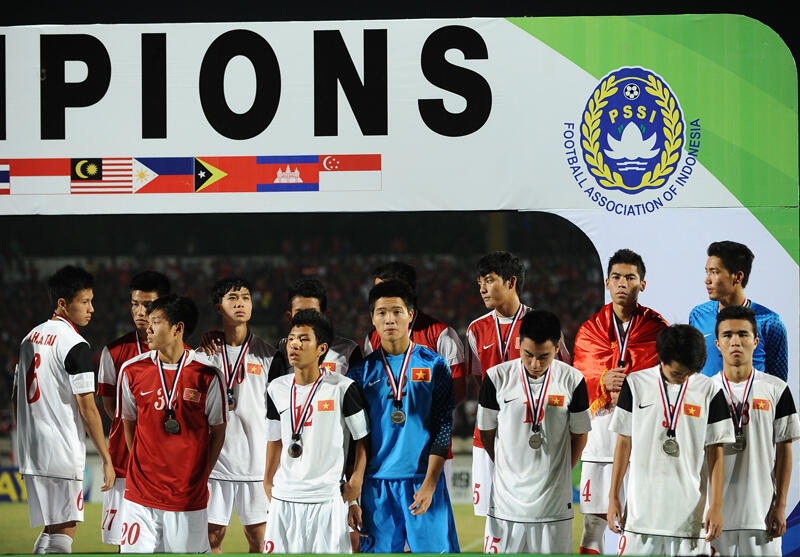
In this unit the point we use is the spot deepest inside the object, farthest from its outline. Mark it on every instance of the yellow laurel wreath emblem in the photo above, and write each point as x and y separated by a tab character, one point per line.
590	133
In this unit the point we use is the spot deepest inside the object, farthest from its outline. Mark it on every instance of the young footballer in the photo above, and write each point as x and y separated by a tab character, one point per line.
144	288
533	415
671	423
409	392
494	339
171	401
55	409
312	413
758	465
237	479
616	341
727	272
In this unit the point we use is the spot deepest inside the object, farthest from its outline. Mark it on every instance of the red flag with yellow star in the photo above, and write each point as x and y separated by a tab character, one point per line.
760	404
421	374
325	405
691	410
555	400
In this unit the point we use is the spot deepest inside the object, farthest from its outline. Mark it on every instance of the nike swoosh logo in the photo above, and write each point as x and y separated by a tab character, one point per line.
142	393
282	411
708	335
509	400
371	383
646	405
488	346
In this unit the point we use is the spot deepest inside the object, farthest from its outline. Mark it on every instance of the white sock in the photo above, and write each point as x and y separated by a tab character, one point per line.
593	529
40	546
59	543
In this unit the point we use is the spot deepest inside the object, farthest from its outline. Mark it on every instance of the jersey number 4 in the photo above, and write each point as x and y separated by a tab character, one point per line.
30	378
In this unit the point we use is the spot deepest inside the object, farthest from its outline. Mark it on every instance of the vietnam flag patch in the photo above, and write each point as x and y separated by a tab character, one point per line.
330	366
691	410
325	405
760	404
421	374
254	369
555	400
192	395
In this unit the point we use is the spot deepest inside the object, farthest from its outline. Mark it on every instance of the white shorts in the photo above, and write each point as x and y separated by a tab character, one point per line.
747	542
631	543
482	471
113	506
307	527
595	486
248	498
504	536
148	530
53	500
448	471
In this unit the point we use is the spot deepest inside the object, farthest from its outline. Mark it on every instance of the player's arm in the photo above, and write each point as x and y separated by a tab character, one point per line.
488	409
622	455
216	435
579	421
776	518
126	409
776	349
274	445
354	410
216	414
129	428
716	475
474	372
450	347
356	357
107	382
424	495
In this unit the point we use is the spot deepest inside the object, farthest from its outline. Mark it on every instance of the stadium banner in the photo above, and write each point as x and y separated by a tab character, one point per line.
659	133
12	487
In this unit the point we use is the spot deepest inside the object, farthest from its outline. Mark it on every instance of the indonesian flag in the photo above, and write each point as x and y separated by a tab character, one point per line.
597	349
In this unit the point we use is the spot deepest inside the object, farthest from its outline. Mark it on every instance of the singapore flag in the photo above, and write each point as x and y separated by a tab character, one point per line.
350	172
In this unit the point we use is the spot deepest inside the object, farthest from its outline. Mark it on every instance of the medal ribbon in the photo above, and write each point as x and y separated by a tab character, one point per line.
138	344
411	327
672	416
65	320
726	387
537	410
170	394
397	388
503	345
623	336
231	374
745	304
298	427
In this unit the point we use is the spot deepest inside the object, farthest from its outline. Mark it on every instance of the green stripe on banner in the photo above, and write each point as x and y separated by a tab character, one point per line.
747	104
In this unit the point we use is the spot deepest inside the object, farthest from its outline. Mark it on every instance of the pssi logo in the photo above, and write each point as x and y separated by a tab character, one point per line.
632	131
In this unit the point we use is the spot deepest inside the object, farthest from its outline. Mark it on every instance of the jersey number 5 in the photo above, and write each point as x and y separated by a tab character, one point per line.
30	378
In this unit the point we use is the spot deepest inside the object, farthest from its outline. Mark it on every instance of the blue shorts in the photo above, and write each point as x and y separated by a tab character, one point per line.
389	523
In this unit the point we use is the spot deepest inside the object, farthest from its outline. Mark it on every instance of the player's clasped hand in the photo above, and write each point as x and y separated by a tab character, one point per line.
713	524
776	521
613	378
422	499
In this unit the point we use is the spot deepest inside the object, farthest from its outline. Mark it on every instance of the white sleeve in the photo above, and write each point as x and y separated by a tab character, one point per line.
215	409
473	361
126	406
450	347
108	373
273	420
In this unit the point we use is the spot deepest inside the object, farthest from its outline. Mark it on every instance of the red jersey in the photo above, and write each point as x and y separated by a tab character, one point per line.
114	355
493	340
170	471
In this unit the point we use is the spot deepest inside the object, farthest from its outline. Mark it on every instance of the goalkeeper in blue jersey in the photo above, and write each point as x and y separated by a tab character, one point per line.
409	391
727	271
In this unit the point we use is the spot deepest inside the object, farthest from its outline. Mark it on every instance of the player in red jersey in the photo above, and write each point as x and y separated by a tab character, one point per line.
494	339
145	288
171	401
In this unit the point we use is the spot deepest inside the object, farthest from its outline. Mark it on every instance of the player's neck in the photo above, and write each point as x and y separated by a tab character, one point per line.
235	333
736	298
306	375
172	353
62	312
624	313
397	347
737	374
509	307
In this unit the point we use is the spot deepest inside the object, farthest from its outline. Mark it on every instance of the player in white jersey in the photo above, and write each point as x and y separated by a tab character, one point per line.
533	417
312	413
55	408
765	423
671	423
237	478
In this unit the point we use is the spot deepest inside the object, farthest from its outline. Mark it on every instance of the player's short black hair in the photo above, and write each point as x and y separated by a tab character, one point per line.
177	309
67	282
504	264
150	281
223	286
322	326
540	326
397	270
391	289
736	312
629	257
735	257
308	288
682	344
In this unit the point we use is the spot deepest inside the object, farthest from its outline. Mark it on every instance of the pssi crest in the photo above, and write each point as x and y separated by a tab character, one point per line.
632	131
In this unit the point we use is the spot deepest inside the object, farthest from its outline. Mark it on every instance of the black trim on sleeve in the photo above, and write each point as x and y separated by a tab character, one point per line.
356	357
580	398
353	401
785	406
79	359
272	411
488	394
439	451
625	400
280	362
718	409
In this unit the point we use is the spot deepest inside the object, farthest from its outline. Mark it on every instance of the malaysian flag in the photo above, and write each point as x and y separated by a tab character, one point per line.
109	175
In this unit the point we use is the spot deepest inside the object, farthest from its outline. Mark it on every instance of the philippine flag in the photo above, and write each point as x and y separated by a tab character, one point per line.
163	175
350	173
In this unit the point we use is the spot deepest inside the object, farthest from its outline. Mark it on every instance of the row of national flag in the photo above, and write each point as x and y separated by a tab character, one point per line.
235	174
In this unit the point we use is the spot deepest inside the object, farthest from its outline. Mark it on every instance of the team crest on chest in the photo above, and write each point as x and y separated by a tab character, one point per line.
421	374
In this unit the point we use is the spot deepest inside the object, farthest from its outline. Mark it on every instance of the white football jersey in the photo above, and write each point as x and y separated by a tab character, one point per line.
667	494
337	359
769	417
243	456
338	407
54	366
532	485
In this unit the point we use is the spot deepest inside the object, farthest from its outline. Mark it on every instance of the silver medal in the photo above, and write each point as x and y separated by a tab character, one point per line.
671	446
740	443
231	402
535	440
295	450
172	426
398	417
